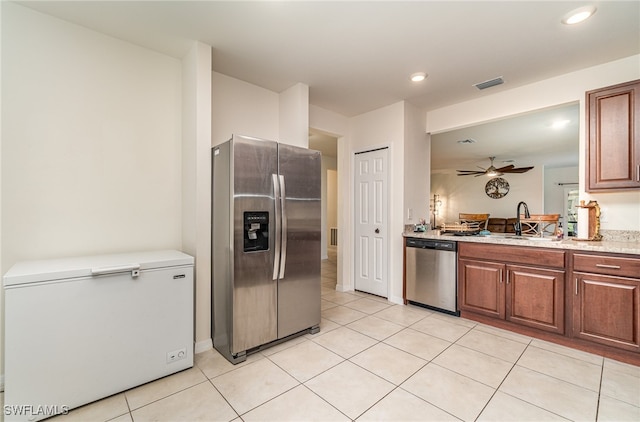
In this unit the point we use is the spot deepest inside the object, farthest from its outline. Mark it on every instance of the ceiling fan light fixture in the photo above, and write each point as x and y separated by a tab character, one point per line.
418	77
491	171
579	15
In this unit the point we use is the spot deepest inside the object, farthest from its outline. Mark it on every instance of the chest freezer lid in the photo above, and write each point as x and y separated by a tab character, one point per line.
64	268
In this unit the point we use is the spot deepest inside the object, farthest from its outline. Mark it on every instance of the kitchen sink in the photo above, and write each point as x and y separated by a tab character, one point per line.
513	236
533	238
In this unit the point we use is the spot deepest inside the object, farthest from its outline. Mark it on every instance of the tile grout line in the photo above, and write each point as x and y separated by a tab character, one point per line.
502	382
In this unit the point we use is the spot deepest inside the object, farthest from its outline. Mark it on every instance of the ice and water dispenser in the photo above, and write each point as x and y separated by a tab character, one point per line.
256	231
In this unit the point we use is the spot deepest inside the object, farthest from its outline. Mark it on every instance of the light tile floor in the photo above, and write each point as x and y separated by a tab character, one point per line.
376	361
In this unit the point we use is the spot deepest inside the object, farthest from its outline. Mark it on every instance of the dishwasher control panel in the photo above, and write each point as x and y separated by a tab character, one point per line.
446	245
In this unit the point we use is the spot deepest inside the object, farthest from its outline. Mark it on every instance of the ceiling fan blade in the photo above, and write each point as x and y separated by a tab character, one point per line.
470	173
518	170
501	169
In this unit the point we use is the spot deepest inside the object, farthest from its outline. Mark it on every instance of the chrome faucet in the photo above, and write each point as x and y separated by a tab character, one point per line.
518	226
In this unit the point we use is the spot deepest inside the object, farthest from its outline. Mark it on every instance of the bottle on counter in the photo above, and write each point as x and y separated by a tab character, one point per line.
559	232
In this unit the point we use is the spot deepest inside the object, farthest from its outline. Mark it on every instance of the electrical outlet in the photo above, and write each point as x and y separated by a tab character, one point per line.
176	355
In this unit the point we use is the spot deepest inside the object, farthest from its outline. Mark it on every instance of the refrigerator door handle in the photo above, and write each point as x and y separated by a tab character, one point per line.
283	247
276	255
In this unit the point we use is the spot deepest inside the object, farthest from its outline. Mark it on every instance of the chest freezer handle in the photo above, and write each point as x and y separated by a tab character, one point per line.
133	268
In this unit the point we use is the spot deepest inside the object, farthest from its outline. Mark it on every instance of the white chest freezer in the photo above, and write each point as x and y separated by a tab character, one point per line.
80	329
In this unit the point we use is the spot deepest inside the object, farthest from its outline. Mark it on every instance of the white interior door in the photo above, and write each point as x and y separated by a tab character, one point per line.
371	221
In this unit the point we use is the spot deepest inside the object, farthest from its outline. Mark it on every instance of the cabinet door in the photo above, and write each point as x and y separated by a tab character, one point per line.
481	287
606	310
535	298
613	128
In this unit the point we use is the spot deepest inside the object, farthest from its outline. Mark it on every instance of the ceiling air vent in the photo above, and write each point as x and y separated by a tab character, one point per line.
490	83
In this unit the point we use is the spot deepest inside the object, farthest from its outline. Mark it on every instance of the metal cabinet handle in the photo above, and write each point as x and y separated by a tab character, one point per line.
500	275
613	267
507	277
576	286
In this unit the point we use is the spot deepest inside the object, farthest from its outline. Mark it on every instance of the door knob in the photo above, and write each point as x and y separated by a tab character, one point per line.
377	231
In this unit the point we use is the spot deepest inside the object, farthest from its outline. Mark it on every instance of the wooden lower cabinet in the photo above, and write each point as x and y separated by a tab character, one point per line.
584	299
535	297
524	295
481	287
606	310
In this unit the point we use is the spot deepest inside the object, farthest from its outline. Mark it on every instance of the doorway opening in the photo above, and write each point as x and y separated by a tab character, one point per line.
327	144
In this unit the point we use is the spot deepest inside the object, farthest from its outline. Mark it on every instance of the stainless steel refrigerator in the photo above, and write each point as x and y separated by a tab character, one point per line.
265	244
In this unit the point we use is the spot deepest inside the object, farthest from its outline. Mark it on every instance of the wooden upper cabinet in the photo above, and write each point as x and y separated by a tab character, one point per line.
613	130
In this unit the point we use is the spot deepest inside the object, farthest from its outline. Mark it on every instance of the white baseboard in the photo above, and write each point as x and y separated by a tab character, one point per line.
203	346
343	288
397	300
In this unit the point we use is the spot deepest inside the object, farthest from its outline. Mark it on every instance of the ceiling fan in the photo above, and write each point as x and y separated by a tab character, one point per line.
492	171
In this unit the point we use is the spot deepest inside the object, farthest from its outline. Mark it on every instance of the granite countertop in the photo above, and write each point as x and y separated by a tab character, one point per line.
626	247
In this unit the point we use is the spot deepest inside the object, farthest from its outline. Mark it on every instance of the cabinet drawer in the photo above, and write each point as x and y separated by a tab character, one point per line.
610	265
538	257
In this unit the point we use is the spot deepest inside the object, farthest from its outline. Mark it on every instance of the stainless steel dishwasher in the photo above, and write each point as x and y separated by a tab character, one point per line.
432	274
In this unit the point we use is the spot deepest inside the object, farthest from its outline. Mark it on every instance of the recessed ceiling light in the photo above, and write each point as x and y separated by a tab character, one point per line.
578	15
560	124
418	77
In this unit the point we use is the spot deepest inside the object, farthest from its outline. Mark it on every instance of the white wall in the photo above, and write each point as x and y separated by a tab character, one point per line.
91	142
467	195
243	109
329	201
395	126
417	159
294	116
622	207
196	181
332	199
380	128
